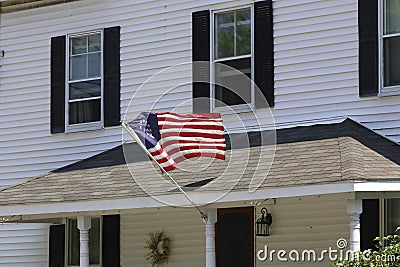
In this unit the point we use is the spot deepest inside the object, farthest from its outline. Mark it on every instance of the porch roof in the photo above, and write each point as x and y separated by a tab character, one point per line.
319	154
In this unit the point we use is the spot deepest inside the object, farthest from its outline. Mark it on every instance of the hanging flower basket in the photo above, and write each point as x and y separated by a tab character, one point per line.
159	247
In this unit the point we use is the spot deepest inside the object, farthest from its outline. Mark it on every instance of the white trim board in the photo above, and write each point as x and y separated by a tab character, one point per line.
149	202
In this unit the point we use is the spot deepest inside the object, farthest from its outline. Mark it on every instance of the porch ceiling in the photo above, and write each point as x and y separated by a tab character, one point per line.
320	154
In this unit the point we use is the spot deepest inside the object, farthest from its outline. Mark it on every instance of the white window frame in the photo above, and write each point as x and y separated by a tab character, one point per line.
384	90
237	108
66	240
383	213
87	126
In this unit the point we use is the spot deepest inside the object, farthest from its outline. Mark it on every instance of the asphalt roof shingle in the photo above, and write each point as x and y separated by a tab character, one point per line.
304	155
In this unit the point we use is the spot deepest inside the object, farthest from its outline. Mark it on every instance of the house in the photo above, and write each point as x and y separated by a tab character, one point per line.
77	192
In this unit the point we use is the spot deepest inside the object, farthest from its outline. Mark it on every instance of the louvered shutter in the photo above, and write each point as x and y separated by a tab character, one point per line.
57	245
368	47
112	76
201	53
264	53
57	84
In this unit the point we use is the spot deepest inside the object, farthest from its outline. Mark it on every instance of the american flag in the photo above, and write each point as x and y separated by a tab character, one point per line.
172	138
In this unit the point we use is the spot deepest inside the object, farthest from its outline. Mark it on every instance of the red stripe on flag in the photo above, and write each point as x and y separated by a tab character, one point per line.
184	148
157	152
189	134
170	167
197	115
162	160
194	155
166	120
178	141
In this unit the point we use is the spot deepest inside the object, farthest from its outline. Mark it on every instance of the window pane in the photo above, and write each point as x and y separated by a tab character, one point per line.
243	40
94	242
94	65
232	88
225	35
243	16
73	243
243	32
392	61
84	111
86	89
392	214
77	67
392	16
78	45
94	42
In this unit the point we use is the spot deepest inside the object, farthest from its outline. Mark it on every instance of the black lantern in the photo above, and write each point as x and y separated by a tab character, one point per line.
263	223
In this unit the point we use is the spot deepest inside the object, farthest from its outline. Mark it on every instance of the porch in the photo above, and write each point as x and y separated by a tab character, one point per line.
314	192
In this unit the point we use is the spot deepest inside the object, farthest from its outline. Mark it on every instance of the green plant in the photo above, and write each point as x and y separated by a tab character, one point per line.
386	255
159	246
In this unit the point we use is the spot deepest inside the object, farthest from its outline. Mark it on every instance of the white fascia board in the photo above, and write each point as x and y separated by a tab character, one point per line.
388	186
149	202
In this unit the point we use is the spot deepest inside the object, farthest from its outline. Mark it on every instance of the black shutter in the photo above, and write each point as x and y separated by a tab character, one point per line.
111	241
201	52
112	76
264	52
57	245
369	221
368	47
57	81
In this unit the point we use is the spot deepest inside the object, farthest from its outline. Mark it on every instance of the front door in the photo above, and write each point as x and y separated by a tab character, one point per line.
235	237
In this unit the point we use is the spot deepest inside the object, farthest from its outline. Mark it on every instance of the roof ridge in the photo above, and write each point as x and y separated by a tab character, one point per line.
24	182
372	130
57	170
352	166
340	131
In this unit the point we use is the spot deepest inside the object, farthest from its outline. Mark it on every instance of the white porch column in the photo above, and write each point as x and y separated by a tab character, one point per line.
210	237
84	225
354	209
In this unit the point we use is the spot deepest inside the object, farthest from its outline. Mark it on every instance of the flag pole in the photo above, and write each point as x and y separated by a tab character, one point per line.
143	147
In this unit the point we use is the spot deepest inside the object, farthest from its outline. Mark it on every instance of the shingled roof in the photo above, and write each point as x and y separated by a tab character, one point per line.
318	154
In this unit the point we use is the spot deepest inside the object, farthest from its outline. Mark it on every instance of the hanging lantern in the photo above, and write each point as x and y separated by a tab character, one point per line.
263	223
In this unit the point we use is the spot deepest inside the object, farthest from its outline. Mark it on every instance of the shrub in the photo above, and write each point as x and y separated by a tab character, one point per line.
386	255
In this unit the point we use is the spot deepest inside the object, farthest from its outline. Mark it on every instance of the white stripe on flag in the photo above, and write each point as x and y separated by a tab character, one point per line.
188	130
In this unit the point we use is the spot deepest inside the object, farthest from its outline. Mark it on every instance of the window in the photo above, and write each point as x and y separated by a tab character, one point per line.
380	217
392	215
391	43
73	242
242	38
85	79
104	242
233	47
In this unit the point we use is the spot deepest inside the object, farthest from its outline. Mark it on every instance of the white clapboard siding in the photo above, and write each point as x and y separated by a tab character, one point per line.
24	245
183	226
304	223
313	222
